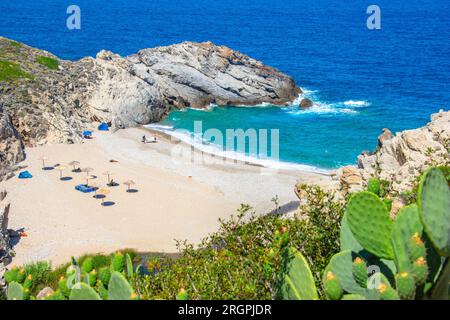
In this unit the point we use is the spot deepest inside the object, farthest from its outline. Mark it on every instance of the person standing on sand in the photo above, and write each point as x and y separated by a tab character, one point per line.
144	139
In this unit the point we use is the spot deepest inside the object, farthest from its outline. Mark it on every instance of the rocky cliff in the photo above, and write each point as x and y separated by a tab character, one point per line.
50	100
398	159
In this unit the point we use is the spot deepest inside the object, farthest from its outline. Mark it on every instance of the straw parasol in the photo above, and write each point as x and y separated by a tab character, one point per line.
109	174
87	170
89	178
103	192
74	164
61	169
129	183
43	159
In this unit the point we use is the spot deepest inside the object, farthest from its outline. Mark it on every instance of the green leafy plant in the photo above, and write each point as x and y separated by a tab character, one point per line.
50	63
405	258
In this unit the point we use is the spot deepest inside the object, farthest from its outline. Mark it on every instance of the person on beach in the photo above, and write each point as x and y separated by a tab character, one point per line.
144	139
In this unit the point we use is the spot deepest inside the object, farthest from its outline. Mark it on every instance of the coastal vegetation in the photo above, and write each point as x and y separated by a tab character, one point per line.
350	249
10	71
50	63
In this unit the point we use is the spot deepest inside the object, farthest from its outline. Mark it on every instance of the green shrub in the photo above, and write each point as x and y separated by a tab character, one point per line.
50	63
10	71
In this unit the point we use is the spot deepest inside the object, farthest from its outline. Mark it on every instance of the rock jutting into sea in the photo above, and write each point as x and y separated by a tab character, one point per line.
49	100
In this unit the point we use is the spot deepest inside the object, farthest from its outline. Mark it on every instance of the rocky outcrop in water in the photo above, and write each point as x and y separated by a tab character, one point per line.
50	100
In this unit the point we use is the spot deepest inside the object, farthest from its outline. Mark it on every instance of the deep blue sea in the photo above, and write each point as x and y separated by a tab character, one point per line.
362	80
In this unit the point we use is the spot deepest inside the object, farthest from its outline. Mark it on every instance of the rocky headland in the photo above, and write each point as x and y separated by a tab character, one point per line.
44	99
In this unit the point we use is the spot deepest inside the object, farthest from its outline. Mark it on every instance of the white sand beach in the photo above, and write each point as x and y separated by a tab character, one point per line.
176	199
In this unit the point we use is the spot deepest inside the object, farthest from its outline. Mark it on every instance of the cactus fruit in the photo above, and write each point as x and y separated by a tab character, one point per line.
15	291
333	288
417	247
182	295
434	209
387	292
104	275
374	186
406	241
341	265
82	291
87	265
62	287
28	283
360	272
118	262
298	282
370	223
92	276
406	285
119	288
21	275
420	270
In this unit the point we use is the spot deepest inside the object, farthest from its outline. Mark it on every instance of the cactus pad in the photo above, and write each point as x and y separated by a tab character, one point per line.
406	233
369	222
298	282
434	208
119	288
81	291
360	272
341	265
347	239
15	291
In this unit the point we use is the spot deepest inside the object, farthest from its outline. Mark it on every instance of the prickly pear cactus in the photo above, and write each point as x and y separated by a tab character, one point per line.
341	266
87	265
332	286
406	285
82	291
118	262
130	268
298	282
406	237
119	288
104	275
15	291
182	295
360	272
374	186
347	239
434	208
370	223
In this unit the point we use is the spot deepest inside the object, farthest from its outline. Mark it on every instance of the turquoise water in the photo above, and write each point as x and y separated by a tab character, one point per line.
312	137
399	74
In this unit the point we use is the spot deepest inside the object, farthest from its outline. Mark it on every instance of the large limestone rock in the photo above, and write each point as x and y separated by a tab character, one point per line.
55	105
11	146
404	156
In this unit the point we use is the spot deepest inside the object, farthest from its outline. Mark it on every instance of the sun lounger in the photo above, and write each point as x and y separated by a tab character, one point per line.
84	188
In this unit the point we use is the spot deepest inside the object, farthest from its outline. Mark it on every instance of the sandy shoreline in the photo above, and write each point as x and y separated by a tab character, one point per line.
177	198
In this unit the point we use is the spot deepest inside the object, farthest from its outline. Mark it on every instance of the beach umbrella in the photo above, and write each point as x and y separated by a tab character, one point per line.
109	174
96	186
89	178
103	192
129	183
74	164
43	159
87	170
61	169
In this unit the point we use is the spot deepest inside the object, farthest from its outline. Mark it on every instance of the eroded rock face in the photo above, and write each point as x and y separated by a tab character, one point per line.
306	103
11	146
404	156
5	248
54	105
